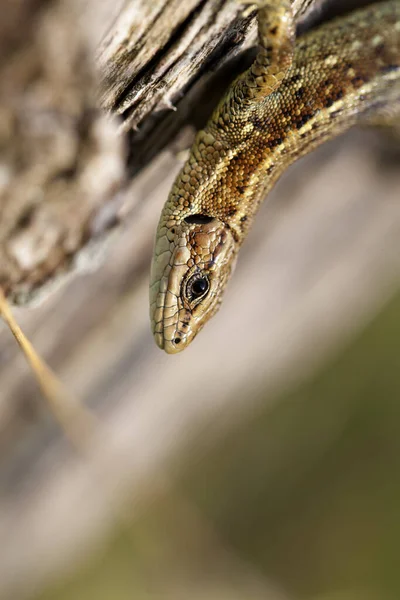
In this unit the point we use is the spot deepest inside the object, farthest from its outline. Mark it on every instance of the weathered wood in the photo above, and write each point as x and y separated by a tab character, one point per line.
62	163
61	158
156	50
322	258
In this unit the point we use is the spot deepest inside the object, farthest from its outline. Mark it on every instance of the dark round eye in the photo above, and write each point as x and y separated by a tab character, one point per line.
200	286
197	287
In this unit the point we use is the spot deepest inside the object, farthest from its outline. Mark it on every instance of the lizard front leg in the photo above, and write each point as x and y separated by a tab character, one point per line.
276	34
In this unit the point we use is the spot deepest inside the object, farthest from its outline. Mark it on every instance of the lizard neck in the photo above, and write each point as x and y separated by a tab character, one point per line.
347	72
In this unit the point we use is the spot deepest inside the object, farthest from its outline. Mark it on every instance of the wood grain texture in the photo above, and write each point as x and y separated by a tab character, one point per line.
61	158
155	51
62	162
321	260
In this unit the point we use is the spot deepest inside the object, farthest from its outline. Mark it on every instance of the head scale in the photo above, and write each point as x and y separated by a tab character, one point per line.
192	261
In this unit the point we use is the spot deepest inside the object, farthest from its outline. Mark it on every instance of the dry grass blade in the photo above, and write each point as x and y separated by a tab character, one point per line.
77	422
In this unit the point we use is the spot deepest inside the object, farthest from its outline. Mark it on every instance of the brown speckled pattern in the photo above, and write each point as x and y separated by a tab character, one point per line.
288	102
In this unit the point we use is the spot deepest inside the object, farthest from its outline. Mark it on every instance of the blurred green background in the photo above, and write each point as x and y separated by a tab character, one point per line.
302	501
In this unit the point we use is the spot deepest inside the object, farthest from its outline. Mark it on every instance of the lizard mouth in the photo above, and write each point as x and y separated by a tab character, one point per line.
177	344
171	331
169	318
166	334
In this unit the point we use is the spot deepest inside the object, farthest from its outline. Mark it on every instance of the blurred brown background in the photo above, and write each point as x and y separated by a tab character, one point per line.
262	462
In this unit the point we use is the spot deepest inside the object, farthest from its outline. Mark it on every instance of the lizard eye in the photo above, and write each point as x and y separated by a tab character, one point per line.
197	287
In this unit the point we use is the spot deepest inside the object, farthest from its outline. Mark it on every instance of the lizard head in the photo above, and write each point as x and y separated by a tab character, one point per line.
192	261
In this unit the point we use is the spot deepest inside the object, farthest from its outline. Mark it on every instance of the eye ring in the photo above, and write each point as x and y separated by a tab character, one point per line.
197	287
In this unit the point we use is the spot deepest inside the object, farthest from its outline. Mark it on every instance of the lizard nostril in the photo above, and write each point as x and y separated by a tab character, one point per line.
177	340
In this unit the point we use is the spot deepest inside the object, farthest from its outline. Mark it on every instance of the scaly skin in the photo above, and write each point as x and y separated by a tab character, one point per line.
293	98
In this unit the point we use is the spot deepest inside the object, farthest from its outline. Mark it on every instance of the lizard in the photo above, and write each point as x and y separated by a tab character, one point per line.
296	95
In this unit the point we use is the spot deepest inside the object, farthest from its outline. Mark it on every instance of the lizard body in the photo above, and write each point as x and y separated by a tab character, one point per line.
293	97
